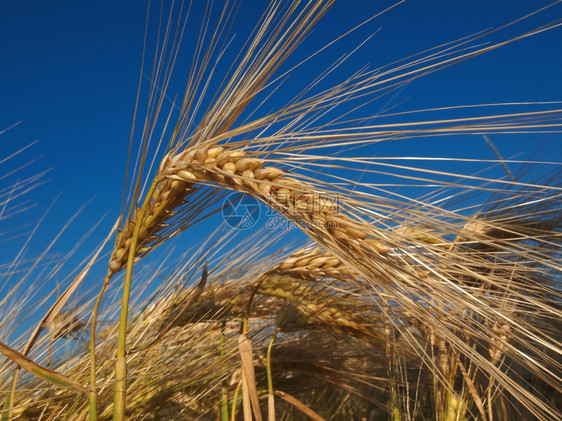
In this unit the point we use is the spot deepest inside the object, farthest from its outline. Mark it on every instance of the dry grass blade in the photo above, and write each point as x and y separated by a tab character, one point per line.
299	405
50	376
53	312
249	377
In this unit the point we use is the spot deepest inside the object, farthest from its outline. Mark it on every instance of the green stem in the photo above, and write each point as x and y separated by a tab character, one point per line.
224	391
234	409
120	397
7	414
268	361
271	404
490	413
395	399
245	321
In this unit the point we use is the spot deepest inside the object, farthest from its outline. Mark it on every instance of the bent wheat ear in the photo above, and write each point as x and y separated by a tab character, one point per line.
278	33
311	208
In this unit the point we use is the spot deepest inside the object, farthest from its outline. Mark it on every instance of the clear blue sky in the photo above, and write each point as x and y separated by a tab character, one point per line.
69	72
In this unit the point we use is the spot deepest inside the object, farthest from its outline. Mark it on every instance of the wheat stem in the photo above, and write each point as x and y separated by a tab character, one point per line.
234	410
270	397
120	398
224	388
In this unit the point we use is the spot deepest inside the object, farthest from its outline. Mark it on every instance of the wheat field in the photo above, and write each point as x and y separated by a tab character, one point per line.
398	286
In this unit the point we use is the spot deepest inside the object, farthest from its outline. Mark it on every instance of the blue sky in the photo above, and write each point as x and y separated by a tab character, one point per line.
69	77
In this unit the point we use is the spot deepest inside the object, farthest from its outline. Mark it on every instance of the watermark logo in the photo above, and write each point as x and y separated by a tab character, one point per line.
304	211
240	211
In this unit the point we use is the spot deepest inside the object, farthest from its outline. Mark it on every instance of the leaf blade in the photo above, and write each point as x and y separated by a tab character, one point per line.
37	370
